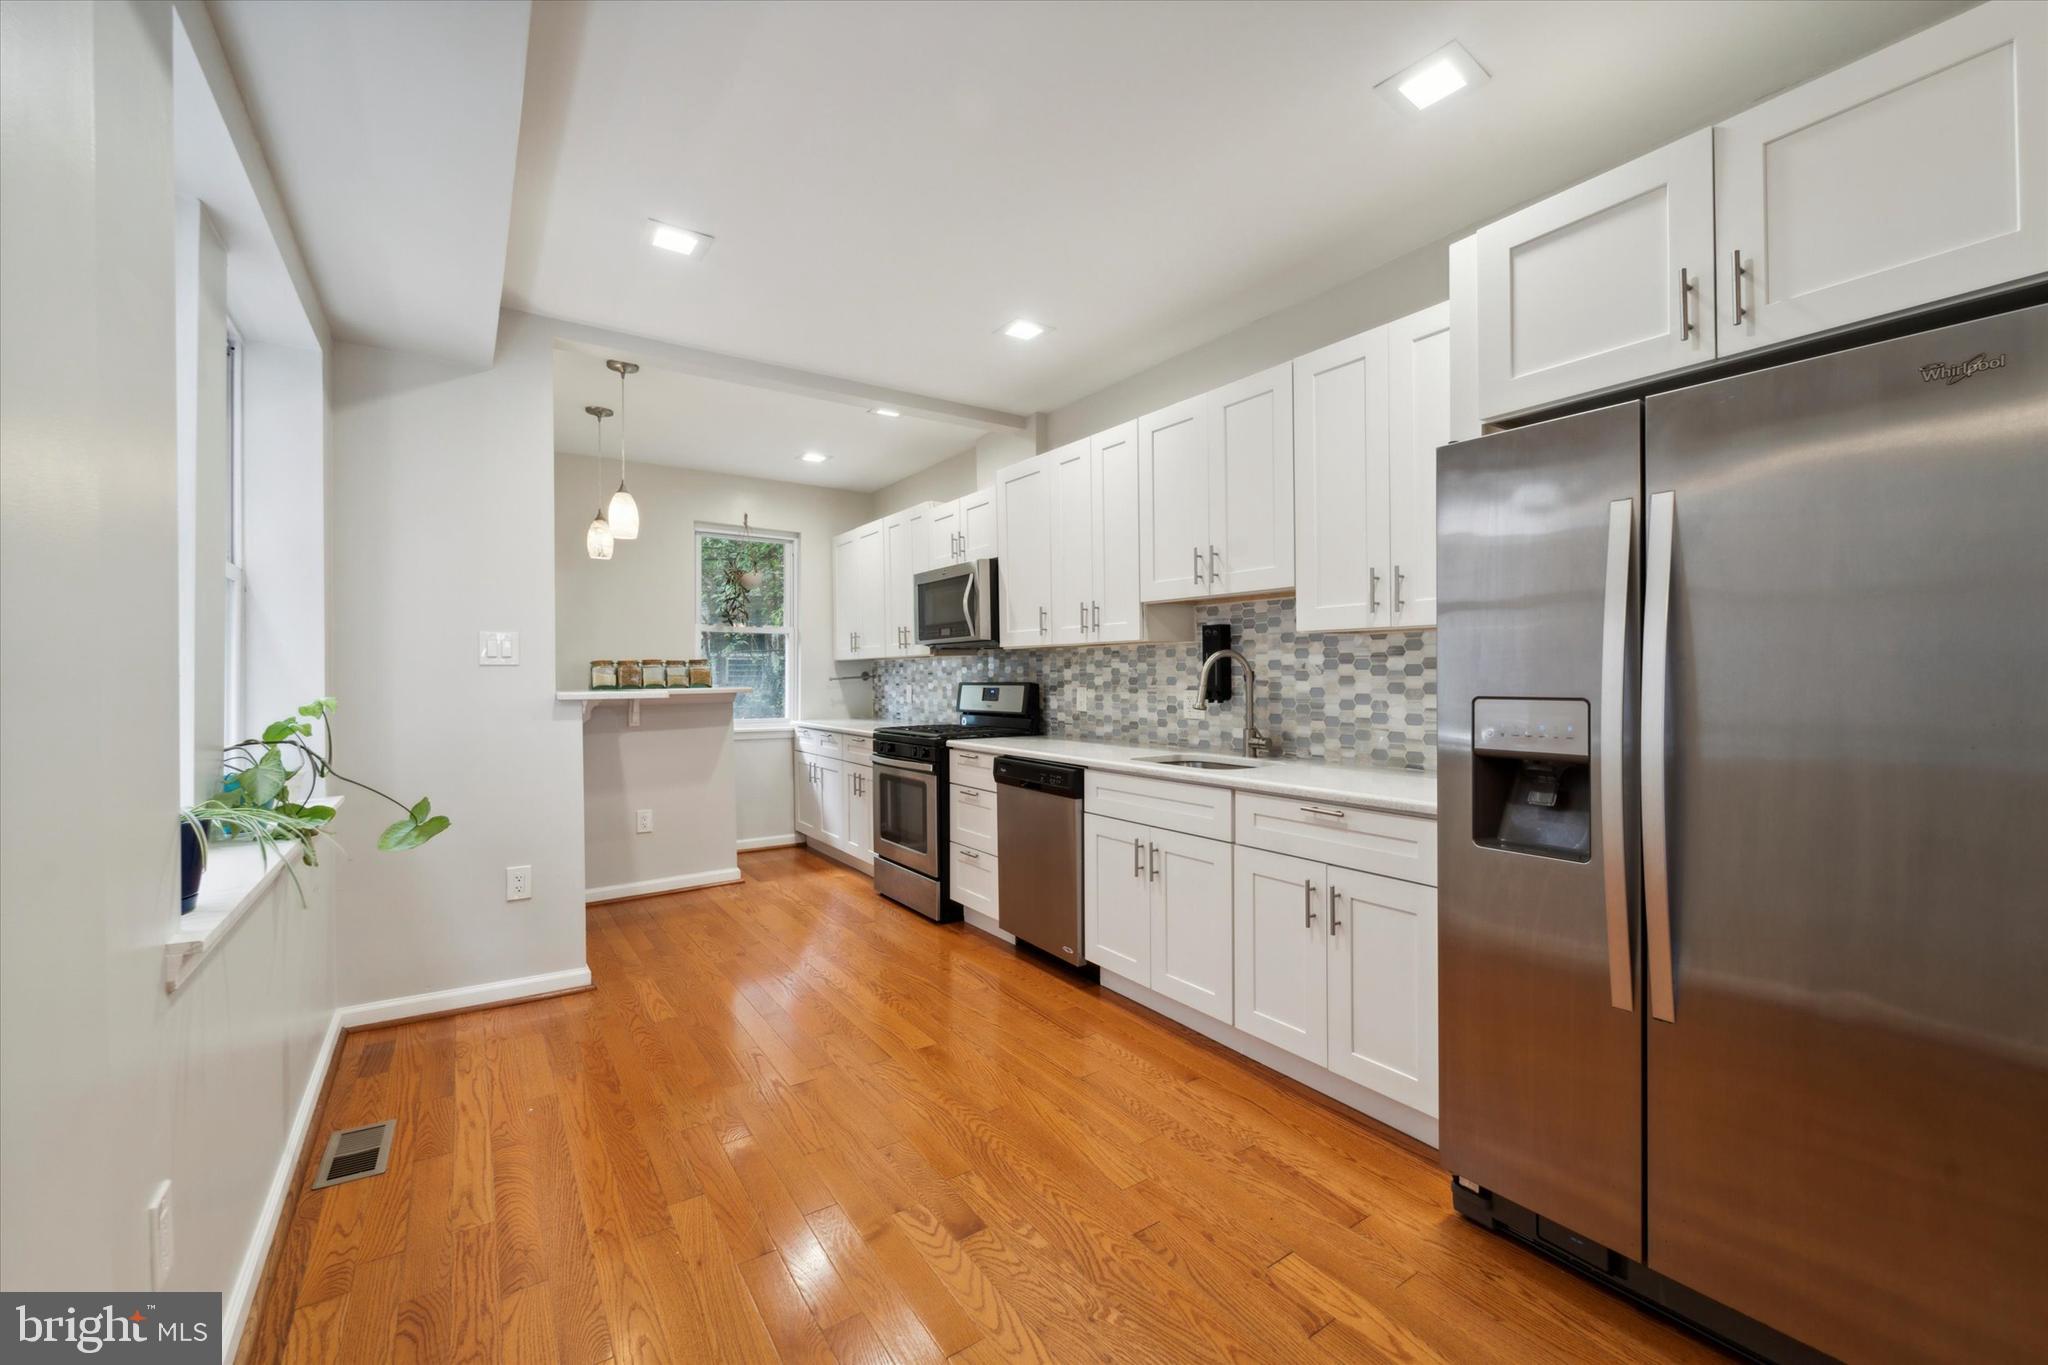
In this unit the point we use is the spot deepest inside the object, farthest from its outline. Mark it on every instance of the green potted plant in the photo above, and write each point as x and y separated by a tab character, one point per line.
254	801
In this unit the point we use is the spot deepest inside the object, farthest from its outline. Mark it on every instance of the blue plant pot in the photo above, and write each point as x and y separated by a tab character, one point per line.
192	861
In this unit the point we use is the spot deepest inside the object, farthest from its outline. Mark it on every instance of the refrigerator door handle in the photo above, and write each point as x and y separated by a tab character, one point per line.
1621	977
1656	689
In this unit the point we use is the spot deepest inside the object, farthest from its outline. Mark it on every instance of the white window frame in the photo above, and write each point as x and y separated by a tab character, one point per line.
792	569
234	629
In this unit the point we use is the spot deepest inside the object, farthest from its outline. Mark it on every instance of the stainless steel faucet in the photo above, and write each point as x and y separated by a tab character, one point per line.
1255	742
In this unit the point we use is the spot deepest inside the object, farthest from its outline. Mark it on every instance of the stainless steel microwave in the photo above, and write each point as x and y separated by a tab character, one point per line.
956	605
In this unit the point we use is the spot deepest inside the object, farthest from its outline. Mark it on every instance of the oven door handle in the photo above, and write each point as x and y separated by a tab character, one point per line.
901	766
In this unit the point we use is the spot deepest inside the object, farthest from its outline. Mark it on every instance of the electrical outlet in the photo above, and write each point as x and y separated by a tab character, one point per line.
161	1242
519	883
644	822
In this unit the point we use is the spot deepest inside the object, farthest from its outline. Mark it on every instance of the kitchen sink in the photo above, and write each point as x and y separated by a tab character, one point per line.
1181	761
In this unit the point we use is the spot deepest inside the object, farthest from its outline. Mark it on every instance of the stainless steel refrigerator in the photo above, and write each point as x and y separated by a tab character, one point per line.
1744	845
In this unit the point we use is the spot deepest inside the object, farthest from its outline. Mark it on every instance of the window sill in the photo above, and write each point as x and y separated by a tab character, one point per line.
238	876
763	729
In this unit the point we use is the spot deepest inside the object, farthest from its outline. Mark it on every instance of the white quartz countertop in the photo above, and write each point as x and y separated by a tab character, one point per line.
846	727
1388	789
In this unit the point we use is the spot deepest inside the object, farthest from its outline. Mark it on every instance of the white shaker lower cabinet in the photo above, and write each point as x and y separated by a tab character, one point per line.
860	811
1382	985
1282	960
808	803
832	812
1915	174
1609	281
1117	902
1191	921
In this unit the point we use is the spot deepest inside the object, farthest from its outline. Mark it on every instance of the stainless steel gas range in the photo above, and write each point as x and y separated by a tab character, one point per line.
910	791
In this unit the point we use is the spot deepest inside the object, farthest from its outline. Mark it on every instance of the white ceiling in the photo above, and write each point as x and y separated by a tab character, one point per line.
703	423
392	129
889	183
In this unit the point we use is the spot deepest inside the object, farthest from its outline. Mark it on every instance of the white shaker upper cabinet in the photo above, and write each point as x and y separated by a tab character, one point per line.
1173	503
1251	484
1118	612
871	595
978	533
908	551
1419	362
1070	473
1608	282
845	597
942	526
1024	530
1341	552
1915	174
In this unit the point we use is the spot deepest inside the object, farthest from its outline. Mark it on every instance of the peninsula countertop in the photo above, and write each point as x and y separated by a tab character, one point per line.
1397	790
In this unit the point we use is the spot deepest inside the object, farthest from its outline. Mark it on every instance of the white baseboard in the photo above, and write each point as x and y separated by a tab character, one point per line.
461	998
840	855
689	881
986	923
1393	1113
236	1303
771	841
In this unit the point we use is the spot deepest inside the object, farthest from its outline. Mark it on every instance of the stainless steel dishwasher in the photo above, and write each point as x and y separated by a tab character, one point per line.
1038	872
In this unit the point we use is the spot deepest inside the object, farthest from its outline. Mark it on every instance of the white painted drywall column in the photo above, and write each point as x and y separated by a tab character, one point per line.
442	524
678	765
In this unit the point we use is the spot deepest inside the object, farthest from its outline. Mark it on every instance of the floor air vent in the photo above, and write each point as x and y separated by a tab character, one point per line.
354	1153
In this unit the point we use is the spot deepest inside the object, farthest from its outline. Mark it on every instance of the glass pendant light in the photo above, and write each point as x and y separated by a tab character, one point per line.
624	513
598	539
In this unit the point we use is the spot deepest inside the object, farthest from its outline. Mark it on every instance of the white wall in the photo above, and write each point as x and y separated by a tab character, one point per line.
1394	290
641	602
942	482
441	514
765	783
107	1085
678	763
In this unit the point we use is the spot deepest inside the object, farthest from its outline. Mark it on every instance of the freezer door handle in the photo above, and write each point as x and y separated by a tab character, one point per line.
1621	981
1656	697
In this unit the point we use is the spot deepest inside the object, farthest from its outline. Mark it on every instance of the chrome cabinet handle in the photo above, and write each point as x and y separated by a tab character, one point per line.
1137	857
1212	565
1084	618
970	854
1656	685
1041	620
1621	979
1373	602
1333	812
1336	898
1688	293
1197	551
1308	904
1097	627
1153	859
1399	578
1735	289
968	794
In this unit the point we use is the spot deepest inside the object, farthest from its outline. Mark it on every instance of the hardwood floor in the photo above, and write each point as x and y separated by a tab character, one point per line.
794	1121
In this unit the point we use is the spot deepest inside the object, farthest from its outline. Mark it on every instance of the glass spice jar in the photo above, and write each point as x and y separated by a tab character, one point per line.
653	673
604	675
629	673
678	672
700	672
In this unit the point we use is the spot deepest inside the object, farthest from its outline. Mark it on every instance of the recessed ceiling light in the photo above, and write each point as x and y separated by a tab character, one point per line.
815	457
885	412
1023	329
682	241
1439	75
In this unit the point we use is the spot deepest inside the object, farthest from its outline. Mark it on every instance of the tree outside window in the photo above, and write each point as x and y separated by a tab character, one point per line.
746	602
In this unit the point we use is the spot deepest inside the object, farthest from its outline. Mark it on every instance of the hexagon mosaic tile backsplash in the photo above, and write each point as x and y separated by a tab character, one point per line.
1367	700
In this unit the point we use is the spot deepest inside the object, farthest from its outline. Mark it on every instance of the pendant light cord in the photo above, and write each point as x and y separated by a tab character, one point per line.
622	429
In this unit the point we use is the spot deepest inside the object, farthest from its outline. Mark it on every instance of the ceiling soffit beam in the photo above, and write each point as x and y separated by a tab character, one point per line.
227	97
600	341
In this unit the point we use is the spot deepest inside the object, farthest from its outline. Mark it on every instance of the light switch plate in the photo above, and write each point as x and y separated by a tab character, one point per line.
497	648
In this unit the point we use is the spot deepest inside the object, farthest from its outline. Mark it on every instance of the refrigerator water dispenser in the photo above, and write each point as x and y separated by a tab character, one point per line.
1532	784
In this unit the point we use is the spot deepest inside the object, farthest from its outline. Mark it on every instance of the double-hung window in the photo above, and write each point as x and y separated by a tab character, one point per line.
746	617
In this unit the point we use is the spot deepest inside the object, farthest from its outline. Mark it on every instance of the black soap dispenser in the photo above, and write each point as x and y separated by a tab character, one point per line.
1216	636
